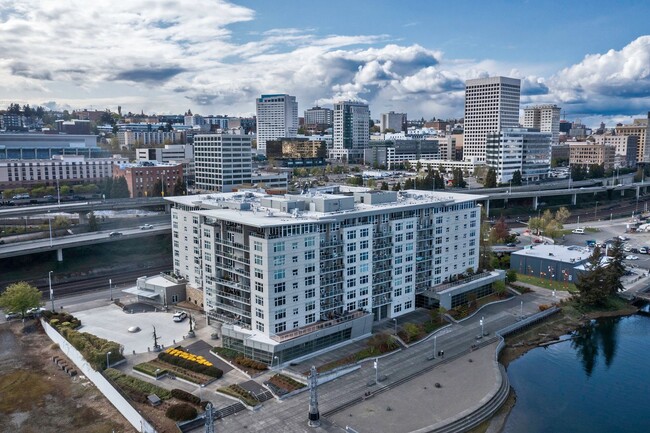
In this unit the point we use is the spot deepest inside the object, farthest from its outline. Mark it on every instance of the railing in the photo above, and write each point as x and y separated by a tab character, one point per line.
294	333
475	277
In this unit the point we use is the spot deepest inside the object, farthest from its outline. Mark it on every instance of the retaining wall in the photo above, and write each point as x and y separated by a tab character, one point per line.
121	404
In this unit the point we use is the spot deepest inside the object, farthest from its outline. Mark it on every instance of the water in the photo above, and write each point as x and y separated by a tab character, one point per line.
597	382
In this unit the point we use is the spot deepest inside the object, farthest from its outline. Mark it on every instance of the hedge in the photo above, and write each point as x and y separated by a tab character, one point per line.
149	370
190	365
185	396
240	393
181	412
134	386
250	363
94	349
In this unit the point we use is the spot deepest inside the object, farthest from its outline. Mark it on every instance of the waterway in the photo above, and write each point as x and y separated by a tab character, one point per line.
596	382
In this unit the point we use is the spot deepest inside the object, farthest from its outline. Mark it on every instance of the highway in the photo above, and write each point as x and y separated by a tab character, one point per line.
82	206
92	238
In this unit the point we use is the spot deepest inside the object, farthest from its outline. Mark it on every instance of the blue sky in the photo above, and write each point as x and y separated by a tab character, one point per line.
592	58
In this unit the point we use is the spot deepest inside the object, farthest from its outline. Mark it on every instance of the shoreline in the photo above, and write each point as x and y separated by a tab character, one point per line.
551	332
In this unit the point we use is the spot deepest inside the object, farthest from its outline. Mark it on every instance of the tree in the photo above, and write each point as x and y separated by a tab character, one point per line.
384	186
119	188
499	287
179	187
516	178
458	181
157	189
408	184
490	179
485	245
615	268
418	166
407	165
20	297
93	225
592	281
500	231
397	187
511	276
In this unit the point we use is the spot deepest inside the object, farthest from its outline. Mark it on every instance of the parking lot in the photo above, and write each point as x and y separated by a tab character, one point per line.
112	323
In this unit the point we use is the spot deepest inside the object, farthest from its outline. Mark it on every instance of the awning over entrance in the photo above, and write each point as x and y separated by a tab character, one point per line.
143	293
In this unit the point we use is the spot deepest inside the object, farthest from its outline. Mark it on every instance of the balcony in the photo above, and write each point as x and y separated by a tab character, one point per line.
294	333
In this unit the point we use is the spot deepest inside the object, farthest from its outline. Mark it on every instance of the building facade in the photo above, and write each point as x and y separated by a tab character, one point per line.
390	154
351	130
221	161
318	116
277	116
70	169
519	149
638	128
392	120
627	147
586	153
45	146
545	118
290	275
142	177
491	104
131	139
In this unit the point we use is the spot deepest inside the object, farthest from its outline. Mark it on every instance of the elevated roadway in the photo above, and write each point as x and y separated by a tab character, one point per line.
60	243
83	207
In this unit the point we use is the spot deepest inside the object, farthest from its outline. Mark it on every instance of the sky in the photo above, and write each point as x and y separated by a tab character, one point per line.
591	58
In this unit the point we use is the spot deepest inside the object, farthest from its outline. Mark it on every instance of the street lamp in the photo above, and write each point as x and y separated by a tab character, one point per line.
49	277
110	287
108	361
395	322
434	346
201	391
274	358
49	222
481	322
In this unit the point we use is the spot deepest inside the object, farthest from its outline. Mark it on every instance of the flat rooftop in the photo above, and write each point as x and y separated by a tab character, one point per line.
562	253
246	206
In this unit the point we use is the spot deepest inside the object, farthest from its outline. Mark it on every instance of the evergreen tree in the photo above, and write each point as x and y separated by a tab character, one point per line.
408	184
179	187
119	188
384	186
397	187
615	268
459	182
439	181
516	178
592	282
157	189
490	179
485	245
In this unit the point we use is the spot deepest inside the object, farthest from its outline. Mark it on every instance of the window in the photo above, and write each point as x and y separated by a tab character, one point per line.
280	314
310	293
294	285
296	311
351	271
310	268
259	326
363	303
351	306
310	306
363	256
309	242
294	245
259	260
278	274
363	233
259	286
352	282
310	318
409	236
398	227
364	267
398	249
259	300
310	255
398	270
398	260
352	234
278	247
295	298
363	279
398	292
280	301
259	313
279	287
278	261
363	245
310	280
363	291
352	259
295	259
352	294
397	308
408	305
294	272
399	237
397	281
259	274
280	327
351	248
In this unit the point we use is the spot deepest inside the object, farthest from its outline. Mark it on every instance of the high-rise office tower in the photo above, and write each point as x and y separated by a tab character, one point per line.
318	116
392	120
546	118
491	104
351	130
277	117
221	161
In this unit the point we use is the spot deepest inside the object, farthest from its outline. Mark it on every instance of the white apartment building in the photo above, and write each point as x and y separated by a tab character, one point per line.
221	161
519	149
20	173
351	130
491	104
291	275
131	138
277	117
392	120
545	118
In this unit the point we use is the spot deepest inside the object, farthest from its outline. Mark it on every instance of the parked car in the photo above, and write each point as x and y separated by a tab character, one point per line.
179	316
627	249
146	227
11	315
511	244
635	250
34	311
114	234
578	231
631	257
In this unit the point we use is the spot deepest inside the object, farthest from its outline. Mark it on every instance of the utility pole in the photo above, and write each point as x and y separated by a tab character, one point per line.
314	415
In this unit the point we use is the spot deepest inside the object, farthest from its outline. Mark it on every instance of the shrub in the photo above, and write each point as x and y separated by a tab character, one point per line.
511	276
181	412
190	365
543	307
250	363
226	353
134	385
185	396
149	369
411	332
54	322
240	393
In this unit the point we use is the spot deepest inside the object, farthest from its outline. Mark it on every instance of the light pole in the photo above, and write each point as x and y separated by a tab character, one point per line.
274	358
481	322
110	287
395	322
108	361
521	309
157	371
376	364
201	391
49	277
578	221
434	346
49	222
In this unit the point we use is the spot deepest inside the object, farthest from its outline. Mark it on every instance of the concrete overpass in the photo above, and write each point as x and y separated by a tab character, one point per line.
93	238
83	207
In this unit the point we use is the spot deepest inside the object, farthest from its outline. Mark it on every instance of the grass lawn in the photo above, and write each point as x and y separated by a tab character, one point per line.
547	284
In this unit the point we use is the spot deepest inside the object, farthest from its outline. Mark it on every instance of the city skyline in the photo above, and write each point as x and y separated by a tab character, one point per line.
217	57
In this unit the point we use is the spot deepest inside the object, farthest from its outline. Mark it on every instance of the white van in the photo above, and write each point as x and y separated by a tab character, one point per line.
578	231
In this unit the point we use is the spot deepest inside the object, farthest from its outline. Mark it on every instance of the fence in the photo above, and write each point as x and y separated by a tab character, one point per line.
113	395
